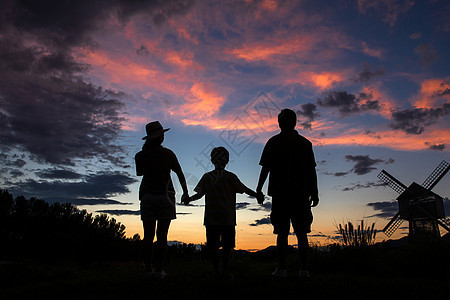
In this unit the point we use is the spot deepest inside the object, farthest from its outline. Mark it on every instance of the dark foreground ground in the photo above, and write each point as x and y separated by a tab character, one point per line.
406	272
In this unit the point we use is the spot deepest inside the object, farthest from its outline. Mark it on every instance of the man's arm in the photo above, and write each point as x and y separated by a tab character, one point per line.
262	178
314	199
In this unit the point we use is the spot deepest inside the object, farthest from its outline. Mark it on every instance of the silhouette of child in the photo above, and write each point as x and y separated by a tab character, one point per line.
220	187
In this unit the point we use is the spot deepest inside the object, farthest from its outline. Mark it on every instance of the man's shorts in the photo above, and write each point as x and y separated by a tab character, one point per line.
220	235
285	211
157	207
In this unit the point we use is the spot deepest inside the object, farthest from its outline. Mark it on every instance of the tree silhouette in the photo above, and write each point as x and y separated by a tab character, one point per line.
33	228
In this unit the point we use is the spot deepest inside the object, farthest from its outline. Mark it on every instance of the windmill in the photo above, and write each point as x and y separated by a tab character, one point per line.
418	204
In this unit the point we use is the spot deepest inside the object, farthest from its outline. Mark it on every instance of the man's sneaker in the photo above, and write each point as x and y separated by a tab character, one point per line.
280	273
304	274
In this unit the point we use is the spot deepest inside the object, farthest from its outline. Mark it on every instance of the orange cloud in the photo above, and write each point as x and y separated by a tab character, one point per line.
387	139
322	81
268	49
387	105
202	103
431	92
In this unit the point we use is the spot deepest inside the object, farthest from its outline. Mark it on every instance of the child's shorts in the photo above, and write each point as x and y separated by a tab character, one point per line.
220	236
157	207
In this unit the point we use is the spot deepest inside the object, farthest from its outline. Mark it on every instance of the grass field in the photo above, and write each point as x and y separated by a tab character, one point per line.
414	272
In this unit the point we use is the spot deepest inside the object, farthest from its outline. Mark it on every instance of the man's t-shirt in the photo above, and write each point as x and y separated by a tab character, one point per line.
220	188
155	163
290	160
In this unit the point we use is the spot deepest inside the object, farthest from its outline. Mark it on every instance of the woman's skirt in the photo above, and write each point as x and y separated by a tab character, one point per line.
156	207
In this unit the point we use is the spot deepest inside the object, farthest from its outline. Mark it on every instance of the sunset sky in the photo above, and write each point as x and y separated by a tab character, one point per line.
369	80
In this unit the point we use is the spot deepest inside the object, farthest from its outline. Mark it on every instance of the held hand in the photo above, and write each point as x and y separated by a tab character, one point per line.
260	197
314	200
185	199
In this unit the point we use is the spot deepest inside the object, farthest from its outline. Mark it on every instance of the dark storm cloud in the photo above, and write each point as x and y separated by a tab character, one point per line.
436	147
366	185
242	205
427	53
363	163
47	109
385	209
414	120
68	23
58	174
120	212
368	73
348	103
92	189
308	111
262	221
76	119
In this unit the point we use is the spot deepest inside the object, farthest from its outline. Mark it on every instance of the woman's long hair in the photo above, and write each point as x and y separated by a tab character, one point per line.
149	143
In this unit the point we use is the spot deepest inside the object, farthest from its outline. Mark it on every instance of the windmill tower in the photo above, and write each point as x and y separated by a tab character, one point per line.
423	209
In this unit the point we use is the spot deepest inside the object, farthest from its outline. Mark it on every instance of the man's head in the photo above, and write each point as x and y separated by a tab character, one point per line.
220	157
287	119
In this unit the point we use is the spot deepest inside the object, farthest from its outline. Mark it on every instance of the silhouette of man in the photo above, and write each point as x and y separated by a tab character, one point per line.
289	159
157	195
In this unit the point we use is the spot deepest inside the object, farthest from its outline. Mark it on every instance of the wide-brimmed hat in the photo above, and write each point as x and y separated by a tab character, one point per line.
154	129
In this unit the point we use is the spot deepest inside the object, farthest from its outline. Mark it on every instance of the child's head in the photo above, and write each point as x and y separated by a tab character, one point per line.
220	157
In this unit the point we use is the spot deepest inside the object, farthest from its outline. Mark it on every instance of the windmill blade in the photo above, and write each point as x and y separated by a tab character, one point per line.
445	223
393	225
395	184
437	175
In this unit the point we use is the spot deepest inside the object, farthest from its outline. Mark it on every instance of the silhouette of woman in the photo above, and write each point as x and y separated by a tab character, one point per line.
157	195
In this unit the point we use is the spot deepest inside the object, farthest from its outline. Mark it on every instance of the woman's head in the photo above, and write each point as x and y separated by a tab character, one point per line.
155	141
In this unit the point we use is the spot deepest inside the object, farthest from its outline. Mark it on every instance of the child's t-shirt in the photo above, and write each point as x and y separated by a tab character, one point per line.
220	188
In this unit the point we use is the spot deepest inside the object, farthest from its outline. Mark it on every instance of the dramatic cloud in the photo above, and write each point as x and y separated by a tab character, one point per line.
92	189
426	53
414	120
363	163
385	209
436	147
263	221
308	111
47	108
348	103
368	73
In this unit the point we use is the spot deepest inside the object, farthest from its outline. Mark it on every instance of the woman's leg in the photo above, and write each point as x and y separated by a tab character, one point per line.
149	234
161	240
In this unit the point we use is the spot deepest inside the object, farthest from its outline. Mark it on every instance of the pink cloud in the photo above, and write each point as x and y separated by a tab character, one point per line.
322	81
433	92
